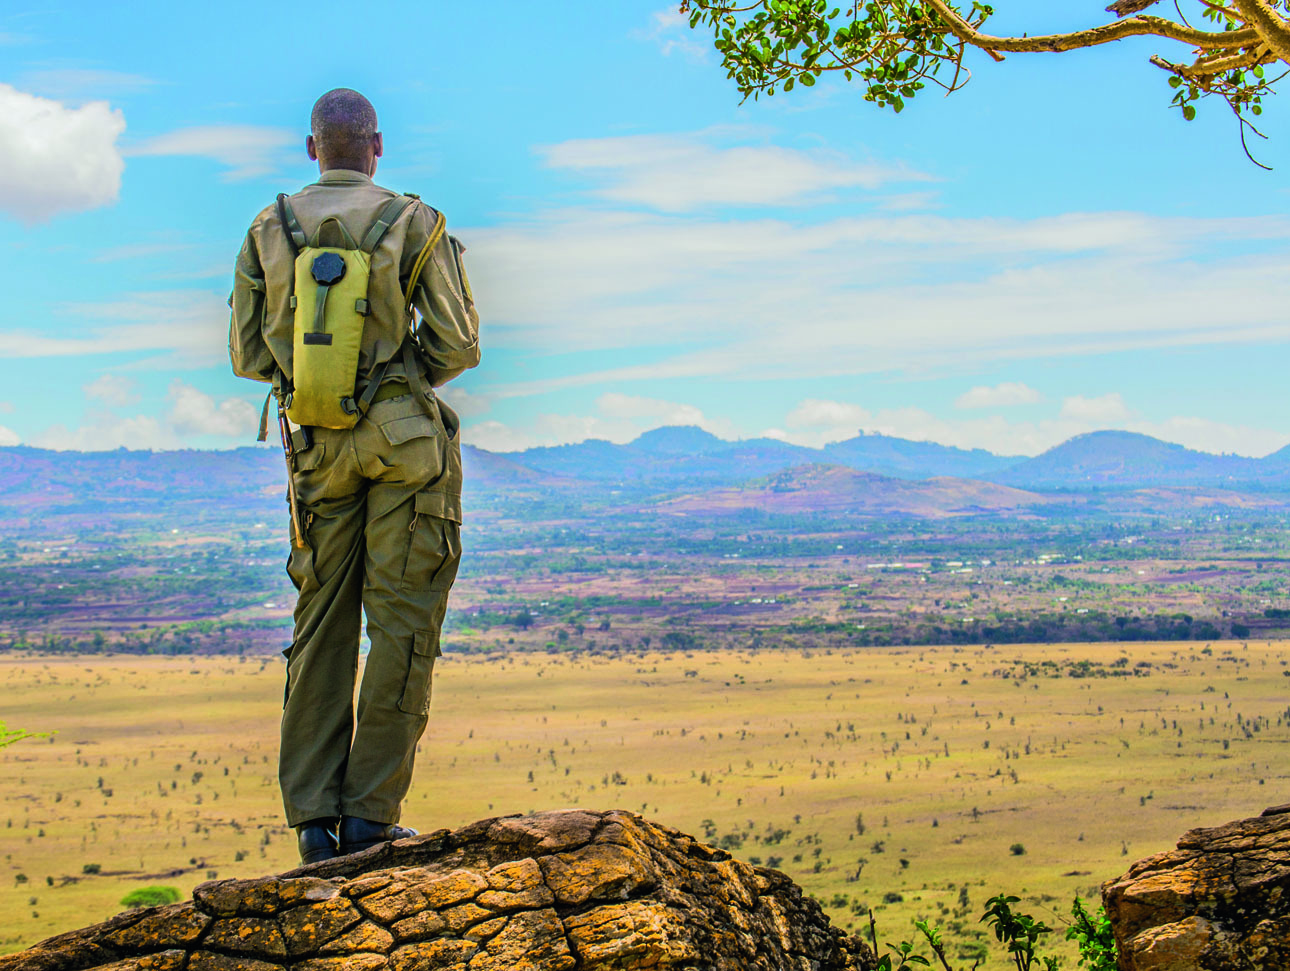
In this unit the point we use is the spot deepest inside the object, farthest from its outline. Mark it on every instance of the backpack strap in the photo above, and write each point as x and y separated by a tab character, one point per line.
290	225
387	218
436	234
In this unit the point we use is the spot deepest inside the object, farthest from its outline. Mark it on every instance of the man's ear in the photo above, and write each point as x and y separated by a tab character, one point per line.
378	144
311	147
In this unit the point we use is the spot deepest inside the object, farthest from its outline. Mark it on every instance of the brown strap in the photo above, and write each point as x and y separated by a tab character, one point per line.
424	395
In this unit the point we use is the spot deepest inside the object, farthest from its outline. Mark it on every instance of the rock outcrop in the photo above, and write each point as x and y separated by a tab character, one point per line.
557	891
1220	902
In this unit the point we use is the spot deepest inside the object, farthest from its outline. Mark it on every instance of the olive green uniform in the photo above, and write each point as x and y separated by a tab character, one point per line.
380	503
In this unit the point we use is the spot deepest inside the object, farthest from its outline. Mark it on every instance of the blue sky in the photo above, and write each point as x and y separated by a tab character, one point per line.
1049	251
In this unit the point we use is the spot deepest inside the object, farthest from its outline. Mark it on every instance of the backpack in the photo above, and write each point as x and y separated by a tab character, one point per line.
329	302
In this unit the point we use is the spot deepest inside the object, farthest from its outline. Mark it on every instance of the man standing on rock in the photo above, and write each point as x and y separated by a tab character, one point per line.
323	298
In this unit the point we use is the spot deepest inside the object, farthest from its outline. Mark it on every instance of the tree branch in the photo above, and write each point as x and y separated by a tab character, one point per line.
1132	27
1271	26
1204	69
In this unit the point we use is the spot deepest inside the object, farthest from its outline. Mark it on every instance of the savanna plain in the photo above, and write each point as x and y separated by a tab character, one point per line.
910	695
916	781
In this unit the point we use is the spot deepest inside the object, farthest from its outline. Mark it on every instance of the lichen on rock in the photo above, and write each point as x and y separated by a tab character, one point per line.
557	891
1219	902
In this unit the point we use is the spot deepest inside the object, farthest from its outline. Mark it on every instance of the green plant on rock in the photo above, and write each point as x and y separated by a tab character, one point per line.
1094	936
1020	932
150	897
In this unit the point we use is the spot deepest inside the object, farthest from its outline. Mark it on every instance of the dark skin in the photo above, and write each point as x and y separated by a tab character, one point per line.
365	163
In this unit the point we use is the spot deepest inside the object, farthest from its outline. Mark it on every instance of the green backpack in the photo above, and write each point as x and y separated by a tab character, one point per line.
330	303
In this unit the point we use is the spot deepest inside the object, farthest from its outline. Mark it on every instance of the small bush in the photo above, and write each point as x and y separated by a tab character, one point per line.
90	868
1017	849
150	897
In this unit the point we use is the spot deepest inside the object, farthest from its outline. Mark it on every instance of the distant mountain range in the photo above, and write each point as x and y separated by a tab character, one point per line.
685	470
688	457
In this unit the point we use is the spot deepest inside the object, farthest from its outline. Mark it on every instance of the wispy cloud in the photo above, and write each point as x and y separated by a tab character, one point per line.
678	173
811	294
670	30
248	151
177	328
78	84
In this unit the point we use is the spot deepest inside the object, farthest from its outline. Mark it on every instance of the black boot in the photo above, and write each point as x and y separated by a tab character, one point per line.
317	840
359	834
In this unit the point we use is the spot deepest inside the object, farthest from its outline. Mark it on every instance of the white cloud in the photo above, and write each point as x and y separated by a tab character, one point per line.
1000	396
467	404
1105	409
676	173
656	410
621	418
107	432
190	413
8	437
816	422
248	150
495	436
56	159
193	412
113	389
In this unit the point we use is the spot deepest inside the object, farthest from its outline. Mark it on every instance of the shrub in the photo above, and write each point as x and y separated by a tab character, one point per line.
1017	849
150	897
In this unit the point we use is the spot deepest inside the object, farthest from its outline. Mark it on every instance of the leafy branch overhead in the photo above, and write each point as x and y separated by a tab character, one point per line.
1227	49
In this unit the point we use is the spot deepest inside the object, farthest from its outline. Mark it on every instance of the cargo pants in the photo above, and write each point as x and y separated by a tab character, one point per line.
382	507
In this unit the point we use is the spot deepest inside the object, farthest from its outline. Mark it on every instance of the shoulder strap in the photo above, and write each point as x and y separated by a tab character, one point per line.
290	225
436	234
387	218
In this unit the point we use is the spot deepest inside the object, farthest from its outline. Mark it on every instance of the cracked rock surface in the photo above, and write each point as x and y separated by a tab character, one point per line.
1220	902
557	891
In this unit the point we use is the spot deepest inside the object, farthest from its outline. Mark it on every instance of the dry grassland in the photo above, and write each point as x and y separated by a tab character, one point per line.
162	770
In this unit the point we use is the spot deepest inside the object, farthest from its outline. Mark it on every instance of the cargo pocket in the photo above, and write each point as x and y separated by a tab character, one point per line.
435	547
416	690
400	430
300	564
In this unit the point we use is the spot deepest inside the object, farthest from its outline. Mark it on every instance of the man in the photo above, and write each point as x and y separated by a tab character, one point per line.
377	506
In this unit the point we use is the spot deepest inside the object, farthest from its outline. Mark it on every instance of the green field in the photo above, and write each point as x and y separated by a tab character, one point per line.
1038	770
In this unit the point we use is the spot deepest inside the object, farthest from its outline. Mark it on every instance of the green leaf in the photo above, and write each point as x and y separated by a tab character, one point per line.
1189	112
807	79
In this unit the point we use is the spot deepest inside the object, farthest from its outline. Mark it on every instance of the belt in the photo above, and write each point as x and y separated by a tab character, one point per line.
391	389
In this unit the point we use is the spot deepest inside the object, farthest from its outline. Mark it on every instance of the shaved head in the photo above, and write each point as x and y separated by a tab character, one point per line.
343	126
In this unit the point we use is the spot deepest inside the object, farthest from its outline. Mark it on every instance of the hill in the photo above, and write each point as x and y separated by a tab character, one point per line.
1129	459
838	490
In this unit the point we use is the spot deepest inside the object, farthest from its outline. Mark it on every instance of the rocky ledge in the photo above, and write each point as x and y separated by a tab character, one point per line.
556	891
1220	902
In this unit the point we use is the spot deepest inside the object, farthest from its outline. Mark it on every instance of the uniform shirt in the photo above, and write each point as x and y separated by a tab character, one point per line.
260	331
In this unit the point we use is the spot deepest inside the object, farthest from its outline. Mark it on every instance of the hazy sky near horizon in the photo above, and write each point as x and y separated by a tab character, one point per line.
1050	251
